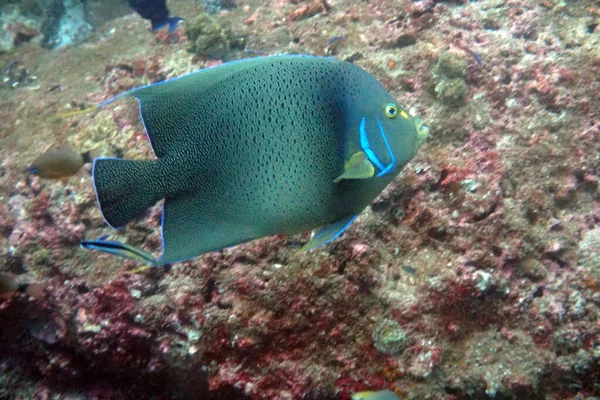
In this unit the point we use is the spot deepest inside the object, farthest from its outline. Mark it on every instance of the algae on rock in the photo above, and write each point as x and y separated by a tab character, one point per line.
449	80
452	92
210	38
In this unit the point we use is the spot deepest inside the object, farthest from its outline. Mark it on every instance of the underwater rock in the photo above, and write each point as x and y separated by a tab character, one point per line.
210	38
60	23
449	80
214	6
452	92
65	23
589	258
452	66
389	337
51	24
16	27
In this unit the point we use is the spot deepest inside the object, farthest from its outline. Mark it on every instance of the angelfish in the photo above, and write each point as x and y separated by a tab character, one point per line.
257	147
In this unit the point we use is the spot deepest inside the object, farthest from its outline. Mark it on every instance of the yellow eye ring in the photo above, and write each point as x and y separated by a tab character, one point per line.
391	111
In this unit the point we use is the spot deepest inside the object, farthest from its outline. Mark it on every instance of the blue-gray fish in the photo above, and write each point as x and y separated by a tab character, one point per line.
379	395
257	147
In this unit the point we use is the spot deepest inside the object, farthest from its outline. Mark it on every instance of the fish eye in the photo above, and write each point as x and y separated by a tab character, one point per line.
391	111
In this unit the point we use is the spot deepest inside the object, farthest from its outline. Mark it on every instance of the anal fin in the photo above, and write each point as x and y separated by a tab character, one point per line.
328	233
120	249
357	166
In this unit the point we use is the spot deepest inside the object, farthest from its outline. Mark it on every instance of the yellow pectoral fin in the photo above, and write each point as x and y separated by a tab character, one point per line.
357	167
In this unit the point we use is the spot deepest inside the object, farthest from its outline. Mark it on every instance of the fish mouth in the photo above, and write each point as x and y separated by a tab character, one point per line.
422	131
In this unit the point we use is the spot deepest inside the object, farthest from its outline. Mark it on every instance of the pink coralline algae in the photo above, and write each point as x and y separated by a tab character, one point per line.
475	274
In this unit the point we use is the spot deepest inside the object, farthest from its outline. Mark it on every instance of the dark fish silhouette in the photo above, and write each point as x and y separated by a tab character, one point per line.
156	12
8	285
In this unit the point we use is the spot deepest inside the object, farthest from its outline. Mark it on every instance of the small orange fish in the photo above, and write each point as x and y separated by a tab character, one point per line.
60	164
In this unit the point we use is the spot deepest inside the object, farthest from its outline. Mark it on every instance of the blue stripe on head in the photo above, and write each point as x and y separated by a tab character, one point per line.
364	143
391	154
96	191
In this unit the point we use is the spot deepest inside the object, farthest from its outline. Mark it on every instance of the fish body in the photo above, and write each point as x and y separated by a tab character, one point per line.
378	395
257	147
156	12
59	164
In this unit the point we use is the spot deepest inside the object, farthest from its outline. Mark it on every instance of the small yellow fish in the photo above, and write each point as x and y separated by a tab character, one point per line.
379	395
59	164
77	112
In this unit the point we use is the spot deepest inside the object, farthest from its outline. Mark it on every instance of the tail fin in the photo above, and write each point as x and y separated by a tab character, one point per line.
126	188
172	22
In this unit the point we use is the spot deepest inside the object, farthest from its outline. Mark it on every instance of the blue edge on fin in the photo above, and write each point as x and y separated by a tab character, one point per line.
109	246
96	191
325	231
128	92
343	229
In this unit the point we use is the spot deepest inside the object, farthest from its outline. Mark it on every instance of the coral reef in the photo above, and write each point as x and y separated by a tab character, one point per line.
474	274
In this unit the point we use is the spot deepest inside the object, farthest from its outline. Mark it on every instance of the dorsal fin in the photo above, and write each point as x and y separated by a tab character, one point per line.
166	106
